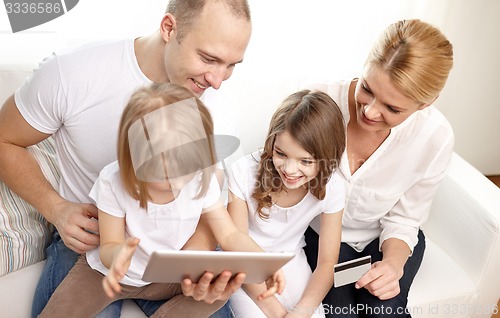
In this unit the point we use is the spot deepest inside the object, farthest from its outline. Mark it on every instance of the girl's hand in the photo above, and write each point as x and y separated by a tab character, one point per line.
119	267
275	284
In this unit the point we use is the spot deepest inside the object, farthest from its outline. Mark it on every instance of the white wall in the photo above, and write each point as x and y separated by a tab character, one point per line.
470	99
332	38
294	40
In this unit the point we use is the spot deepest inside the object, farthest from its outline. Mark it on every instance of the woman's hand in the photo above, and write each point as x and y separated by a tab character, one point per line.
275	284
119	267
382	280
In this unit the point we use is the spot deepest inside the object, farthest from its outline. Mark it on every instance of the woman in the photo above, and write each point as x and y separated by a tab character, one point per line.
398	150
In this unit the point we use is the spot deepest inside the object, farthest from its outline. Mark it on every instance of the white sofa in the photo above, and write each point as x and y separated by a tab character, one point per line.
460	273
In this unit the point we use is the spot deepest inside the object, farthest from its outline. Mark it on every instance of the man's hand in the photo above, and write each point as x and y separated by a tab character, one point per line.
74	222
223	287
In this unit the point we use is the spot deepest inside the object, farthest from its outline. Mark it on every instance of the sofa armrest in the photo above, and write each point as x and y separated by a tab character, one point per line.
465	222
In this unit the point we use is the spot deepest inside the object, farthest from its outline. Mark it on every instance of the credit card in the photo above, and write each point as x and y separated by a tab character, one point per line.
351	271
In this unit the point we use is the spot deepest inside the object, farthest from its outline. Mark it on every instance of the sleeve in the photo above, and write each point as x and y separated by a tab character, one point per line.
336	192
237	178
213	195
104	193
411	211
41	100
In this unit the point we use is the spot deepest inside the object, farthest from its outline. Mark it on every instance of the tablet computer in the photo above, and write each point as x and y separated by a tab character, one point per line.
173	266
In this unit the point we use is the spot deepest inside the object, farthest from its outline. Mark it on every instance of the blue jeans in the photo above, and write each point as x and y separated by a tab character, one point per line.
349	302
60	259
149	307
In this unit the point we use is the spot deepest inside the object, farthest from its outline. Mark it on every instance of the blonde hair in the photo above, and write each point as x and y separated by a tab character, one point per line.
417	57
314	120
146	100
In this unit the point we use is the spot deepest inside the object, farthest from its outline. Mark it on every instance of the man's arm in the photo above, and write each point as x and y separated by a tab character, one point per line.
22	174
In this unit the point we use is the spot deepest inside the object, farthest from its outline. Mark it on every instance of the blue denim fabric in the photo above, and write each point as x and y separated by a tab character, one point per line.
224	312
60	259
349	302
149	307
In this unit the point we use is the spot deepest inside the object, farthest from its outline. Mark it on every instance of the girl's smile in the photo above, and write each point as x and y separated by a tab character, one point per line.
294	164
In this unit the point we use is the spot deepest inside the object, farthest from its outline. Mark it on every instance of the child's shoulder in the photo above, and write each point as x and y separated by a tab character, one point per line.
110	171
250	161
336	185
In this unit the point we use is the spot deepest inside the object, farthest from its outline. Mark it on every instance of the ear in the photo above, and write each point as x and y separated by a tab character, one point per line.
168	26
428	104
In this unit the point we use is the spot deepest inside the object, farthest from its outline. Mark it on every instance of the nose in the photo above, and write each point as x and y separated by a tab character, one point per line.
217	75
290	167
371	110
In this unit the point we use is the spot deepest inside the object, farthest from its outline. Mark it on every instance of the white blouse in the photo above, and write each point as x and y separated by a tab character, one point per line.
390	195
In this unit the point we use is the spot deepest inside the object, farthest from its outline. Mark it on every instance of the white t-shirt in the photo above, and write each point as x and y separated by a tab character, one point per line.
390	195
284	230
78	96
160	227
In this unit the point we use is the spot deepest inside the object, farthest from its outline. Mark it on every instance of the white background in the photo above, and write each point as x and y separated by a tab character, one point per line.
295	40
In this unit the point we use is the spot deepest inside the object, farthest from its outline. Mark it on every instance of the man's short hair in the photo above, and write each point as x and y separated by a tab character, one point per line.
186	11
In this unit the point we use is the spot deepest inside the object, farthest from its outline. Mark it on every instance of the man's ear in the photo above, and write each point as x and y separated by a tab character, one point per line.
168	26
428	104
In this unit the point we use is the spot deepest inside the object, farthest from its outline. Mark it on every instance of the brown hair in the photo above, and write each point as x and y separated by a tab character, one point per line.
186	12
146	100
417	57
314	120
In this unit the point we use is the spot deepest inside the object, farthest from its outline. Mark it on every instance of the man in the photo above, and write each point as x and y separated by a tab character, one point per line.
78	97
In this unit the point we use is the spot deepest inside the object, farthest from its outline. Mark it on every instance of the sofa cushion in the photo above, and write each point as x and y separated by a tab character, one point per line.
24	232
441	287
17	290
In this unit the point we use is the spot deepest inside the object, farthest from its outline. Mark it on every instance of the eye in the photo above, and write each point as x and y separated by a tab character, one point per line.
206	59
393	110
365	89
307	162
279	153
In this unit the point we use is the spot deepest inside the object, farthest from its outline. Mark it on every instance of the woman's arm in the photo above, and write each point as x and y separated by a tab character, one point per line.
321	280
382	280
400	229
